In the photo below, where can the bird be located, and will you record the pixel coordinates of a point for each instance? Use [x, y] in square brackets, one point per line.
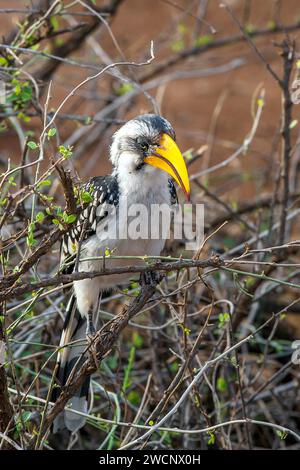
[146, 162]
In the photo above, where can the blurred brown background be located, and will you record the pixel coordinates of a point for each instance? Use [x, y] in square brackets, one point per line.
[213, 110]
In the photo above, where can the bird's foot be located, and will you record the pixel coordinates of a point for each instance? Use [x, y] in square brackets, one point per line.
[90, 329]
[92, 350]
[150, 278]
[90, 337]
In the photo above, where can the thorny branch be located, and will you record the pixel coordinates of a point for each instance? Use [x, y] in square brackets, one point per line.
[171, 355]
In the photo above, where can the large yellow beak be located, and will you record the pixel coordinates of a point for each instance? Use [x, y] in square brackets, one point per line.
[168, 157]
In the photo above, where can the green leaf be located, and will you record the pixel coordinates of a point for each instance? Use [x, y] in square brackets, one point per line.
[250, 29]
[182, 28]
[26, 416]
[281, 434]
[32, 145]
[124, 88]
[18, 89]
[271, 25]
[30, 240]
[223, 318]
[29, 314]
[71, 218]
[66, 152]
[212, 438]
[45, 183]
[221, 384]
[134, 398]
[51, 132]
[11, 181]
[204, 40]
[234, 205]
[86, 197]
[188, 155]
[59, 211]
[3, 61]
[137, 340]
[23, 117]
[177, 45]
[40, 217]
[54, 23]
[3, 201]
[26, 93]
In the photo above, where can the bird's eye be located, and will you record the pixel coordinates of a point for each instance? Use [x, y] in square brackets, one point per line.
[144, 147]
[143, 144]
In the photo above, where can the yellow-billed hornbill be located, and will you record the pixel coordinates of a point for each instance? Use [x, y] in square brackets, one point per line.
[140, 150]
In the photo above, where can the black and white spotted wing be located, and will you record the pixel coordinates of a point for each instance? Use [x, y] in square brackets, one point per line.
[104, 190]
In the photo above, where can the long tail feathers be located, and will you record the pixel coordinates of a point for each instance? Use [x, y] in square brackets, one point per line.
[69, 357]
